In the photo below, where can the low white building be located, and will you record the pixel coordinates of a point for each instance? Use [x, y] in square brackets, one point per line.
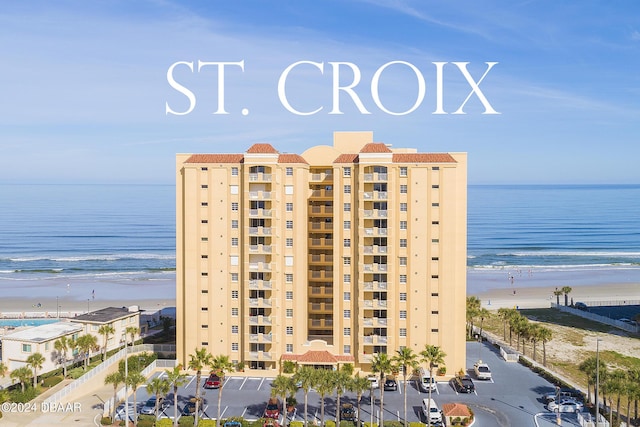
[120, 318]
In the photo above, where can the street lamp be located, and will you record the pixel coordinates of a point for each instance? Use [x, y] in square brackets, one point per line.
[558, 418]
[126, 374]
[597, 379]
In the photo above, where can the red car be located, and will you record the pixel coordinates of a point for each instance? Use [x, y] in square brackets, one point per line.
[213, 381]
[273, 409]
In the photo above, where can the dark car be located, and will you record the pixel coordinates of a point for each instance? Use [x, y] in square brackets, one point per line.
[149, 406]
[390, 384]
[581, 306]
[189, 408]
[463, 384]
[348, 413]
[563, 393]
[213, 381]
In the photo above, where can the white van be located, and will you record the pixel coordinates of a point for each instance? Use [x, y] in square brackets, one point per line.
[426, 382]
[431, 411]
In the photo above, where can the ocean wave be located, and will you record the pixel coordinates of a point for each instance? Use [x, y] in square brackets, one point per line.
[560, 253]
[84, 258]
[552, 267]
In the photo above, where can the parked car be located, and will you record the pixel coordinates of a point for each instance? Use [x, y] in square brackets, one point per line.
[232, 424]
[390, 384]
[213, 381]
[565, 405]
[273, 409]
[564, 393]
[189, 408]
[348, 413]
[463, 384]
[374, 382]
[431, 412]
[149, 407]
[426, 381]
[482, 370]
[581, 306]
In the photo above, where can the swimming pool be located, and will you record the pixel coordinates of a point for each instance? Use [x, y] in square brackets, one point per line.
[25, 322]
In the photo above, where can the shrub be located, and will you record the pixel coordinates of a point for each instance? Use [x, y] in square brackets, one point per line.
[347, 368]
[106, 421]
[146, 423]
[288, 367]
[164, 422]
[75, 373]
[416, 424]
[393, 423]
[329, 423]
[368, 424]
[206, 423]
[18, 396]
[296, 424]
[347, 423]
[257, 423]
[186, 421]
[51, 381]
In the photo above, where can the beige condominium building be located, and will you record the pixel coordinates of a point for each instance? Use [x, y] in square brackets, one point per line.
[322, 258]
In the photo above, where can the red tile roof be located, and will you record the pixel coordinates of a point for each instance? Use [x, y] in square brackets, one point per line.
[346, 158]
[423, 158]
[375, 147]
[455, 410]
[291, 158]
[262, 148]
[321, 357]
[215, 158]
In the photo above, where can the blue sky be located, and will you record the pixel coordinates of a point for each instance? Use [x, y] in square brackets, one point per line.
[83, 85]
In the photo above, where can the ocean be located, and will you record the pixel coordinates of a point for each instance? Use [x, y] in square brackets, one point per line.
[67, 234]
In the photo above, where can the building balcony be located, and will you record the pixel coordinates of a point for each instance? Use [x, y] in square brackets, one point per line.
[264, 213]
[260, 177]
[375, 249]
[321, 307]
[260, 231]
[375, 286]
[259, 355]
[321, 258]
[260, 249]
[321, 243]
[259, 195]
[320, 323]
[375, 177]
[260, 302]
[375, 195]
[374, 268]
[375, 213]
[375, 303]
[375, 231]
[374, 321]
[320, 210]
[320, 274]
[259, 284]
[322, 194]
[260, 266]
[259, 320]
[321, 226]
[320, 291]
[260, 338]
[374, 339]
[319, 177]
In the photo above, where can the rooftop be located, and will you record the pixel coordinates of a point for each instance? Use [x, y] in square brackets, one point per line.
[105, 315]
[42, 333]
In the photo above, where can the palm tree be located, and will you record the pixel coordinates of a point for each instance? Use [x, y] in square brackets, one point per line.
[617, 380]
[534, 337]
[22, 374]
[518, 325]
[324, 386]
[505, 314]
[221, 365]
[105, 331]
[281, 386]
[197, 362]
[382, 364]
[62, 345]
[340, 381]
[406, 359]
[132, 331]
[86, 343]
[433, 356]
[544, 334]
[359, 385]
[306, 377]
[134, 380]
[483, 313]
[36, 360]
[177, 378]
[588, 366]
[557, 293]
[115, 378]
[3, 369]
[473, 306]
[566, 290]
[159, 387]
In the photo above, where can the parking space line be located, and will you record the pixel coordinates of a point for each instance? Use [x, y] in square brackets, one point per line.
[242, 385]
[222, 413]
[189, 383]
[261, 383]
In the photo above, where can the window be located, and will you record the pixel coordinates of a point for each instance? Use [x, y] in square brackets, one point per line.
[346, 349]
[346, 332]
[346, 225]
[234, 206]
[204, 186]
[435, 258]
[289, 242]
[289, 330]
[204, 221]
[434, 330]
[403, 243]
[347, 189]
[204, 308]
[288, 189]
[346, 278]
[289, 171]
[347, 207]
[234, 346]
[403, 207]
[204, 256]
[403, 296]
[234, 277]
[434, 276]
[435, 204]
[289, 348]
[403, 260]
[234, 259]
[434, 294]
[346, 296]
[233, 189]
[289, 207]
[234, 294]
[434, 312]
[346, 172]
[234, 171]
[234, 311]
[403, 225]
[204, 273]
[403, 332]
[403, 171]
[346, 314]
[204, 169]
[204, 239]
[289, 295]
[234, 241]
[205, 343]
[346, 260]
[26, 348]
[347, 243]
[288, 261]
[403, 314]
[234, 223]
[234, 329]
[289, 224]
[403, 188]
[435, 186]
[204, 326]
[436, 168]
[435, 240]
[289, 312]
[403, 278]
[204, 291]
[288, 278]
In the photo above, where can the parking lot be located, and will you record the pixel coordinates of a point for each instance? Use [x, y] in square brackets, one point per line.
[511, 397]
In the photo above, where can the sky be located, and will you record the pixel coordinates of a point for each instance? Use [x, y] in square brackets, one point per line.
[85, 86]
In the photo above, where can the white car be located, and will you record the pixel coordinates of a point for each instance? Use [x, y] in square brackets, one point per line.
[374, 382]
[482, 370]
[565, 405]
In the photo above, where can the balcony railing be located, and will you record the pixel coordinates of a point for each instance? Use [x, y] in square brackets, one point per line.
[257, 284]
[259, 195]
[373, 286]
[257, 302]
[375, 249]
[321, 176]
[324, 306]
[260, 231]
[259, 177]
[321, 242]
[375, 231]
[321, 258]
[321, 209]
[259, 320]
[260, 266]
[371, 177]
[322, 193]
[320, 323]
[260, 249]
[260, 212]
[375, 267]
[323, 226]
[375, 213]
